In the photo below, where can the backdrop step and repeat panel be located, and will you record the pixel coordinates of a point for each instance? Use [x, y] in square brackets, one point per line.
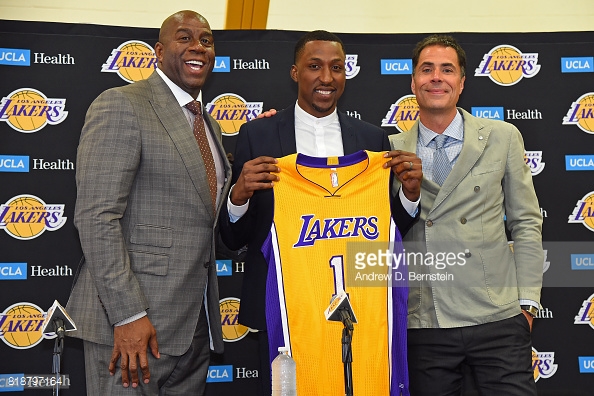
[50, 73]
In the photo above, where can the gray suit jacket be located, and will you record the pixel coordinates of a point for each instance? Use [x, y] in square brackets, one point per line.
[145, 219]
[466, 217]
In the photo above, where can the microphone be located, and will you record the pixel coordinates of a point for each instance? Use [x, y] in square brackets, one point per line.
[340, 309]
[57, 321]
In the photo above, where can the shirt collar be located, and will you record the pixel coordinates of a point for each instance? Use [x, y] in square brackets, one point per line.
[312, 121]
[182, 97]
[454, 130]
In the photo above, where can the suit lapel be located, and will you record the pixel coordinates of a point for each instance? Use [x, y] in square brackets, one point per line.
[349, 138]
[286, 131]
[476, 136]
[176, 125]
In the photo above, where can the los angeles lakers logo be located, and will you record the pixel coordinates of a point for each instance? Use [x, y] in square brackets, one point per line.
[28, 110]
[581, 113]
[351, 67]
[543, 364]
[27, 217]
[506, 65]
[534, 160]
[232, 111]
[133, 61]
[232, 330]
[586, 313]
[21, 326]
[584, 211]
[402, 114]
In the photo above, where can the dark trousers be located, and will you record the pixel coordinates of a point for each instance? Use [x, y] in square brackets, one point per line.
[499, 355]
[170, 375]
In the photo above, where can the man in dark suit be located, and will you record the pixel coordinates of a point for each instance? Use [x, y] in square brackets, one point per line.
[146, 209]
[313, 126]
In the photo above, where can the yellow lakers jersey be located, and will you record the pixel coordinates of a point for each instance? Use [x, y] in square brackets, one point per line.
[325, 211]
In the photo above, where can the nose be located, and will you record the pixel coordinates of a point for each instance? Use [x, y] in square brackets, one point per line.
[196, 45]
[326, 75]
[436, 75]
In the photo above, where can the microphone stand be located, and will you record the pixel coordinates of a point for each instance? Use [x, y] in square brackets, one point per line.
[58, 348]
[347, 352]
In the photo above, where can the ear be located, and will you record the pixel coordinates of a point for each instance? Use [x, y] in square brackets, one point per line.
[412, 85]
[294, 73]
[159, 51]
[462, 84]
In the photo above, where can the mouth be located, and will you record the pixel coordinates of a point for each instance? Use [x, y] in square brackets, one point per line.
[195, 64]
[324, 91]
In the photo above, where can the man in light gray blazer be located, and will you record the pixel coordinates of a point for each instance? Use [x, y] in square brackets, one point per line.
[146, 218]
[474, 304]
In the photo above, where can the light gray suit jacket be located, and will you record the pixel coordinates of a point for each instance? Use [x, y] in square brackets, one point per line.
[145, 219]
[465, 217]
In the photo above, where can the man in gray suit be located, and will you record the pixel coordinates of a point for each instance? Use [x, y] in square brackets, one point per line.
[145, 212]
[475, 308]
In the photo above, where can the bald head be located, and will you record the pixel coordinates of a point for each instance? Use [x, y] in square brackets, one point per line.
[174, 20]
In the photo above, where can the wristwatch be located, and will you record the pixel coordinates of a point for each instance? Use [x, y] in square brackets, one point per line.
[532, 310]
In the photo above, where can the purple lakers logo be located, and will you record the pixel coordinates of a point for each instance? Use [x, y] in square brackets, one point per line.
[314, 229]
[506, 65]
[132, 61]
[543, 364]
[28, 110]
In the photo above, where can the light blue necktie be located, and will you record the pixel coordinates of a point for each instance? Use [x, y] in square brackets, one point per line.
[441, 163]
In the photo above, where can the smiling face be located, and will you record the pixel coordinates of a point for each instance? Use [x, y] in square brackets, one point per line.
[320, 76]
[437, 81]
[186, 51]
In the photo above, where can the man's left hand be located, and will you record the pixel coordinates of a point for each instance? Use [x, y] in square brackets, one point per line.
[408, 169]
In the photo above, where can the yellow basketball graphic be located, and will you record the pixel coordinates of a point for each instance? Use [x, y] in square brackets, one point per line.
[503, 55]
[588, 212]
[135, 61]
[232, 330]
[227, 110]
[535, 368]
[587, 108]
[22, 325]
[408, 111]
[21, 104]
[22, 207]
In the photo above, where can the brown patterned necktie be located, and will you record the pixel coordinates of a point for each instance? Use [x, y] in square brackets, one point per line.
[200, 135]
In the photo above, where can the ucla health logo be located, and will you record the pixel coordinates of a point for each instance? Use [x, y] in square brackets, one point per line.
[577, 65]
[584, 211]
[26, 217]
[534, 160]
[232, 111]
[579, 162]
[133, 61]
[586, 313]
[232, 330]
[14, 163]
[21, 326]
[220, 374]
[402, 114]
[351, 67]
[222, 64]
[224, 268]
[581, 113]
[28, 110]
[13, 271]
[506, 65]
[491, 113]
[396, 66]
[15, 57]
[543, 364]
[586, 364]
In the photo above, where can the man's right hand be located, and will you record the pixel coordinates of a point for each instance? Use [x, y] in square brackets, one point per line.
[257, 174]
[130, 342]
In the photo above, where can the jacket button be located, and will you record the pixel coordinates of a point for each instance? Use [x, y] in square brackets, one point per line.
[429, 223]
[477, 188]
[463, 220]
